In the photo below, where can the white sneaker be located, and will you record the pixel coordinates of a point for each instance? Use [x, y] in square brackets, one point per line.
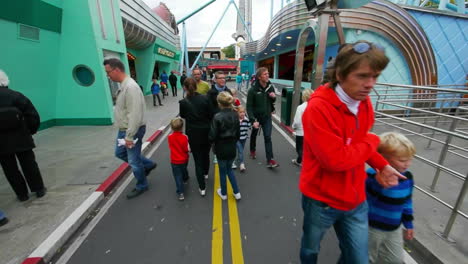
[223, 197]
[215, 160]
[234, 166]
[202, 192]
[237, 196]
[242, 167]
[206, 177]
[294, 161]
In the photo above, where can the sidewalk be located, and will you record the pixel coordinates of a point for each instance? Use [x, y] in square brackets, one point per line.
[73, 162]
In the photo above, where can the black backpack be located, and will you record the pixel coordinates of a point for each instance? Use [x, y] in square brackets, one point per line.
[11, 118]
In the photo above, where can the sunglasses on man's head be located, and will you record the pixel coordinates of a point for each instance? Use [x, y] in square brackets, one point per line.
[363, 47]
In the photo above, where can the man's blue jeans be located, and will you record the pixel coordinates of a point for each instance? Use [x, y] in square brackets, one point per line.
[351, 228]
[265, 122]
[134, 158]
[180, 175]
[240, 150]
[225, 168]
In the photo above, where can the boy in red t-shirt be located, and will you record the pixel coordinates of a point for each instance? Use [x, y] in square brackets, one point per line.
[179, 147]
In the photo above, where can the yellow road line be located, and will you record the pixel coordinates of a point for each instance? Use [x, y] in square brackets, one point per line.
[217, 229]
[234, 226]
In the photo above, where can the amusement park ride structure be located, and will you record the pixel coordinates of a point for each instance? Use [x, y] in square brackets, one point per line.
[184, 48]
[321, 10]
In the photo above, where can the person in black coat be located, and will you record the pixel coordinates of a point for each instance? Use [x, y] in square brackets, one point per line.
[224, 133]
[182, 80]
[20, 121]
[173, 82]
[196, 111]
[218, 86]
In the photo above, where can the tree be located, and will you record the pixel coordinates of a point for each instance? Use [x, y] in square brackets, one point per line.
[229, 51]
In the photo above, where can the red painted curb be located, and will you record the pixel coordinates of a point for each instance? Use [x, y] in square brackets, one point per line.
[106, 187]
[154, 136]
[33, 261]
[288, 128]
[109, 184]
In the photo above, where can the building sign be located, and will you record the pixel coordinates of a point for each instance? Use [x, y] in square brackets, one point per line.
[164, 52]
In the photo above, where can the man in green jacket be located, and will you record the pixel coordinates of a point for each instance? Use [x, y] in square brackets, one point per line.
[260, 106]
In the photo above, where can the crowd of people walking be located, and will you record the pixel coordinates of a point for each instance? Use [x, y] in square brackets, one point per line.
[333, 143]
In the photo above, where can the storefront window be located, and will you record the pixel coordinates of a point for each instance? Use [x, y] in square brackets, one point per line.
[267, 63]
[287, 63]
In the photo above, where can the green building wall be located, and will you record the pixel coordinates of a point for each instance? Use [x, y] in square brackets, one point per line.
[144, 65]
[81, 44]
[146, 60]
[31, 65]
[165, 63]
[70, 35]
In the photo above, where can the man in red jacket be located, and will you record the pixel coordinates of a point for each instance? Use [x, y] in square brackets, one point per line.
[337, 144]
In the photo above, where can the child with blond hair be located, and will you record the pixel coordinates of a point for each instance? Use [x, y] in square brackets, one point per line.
[389, 208]
[244, 126]
[179, 147]
[297, 125]
[224, 133]
[237, 102]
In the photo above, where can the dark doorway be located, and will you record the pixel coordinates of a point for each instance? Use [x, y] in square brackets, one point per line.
[131, 65]
[156, 70]
[287, 63]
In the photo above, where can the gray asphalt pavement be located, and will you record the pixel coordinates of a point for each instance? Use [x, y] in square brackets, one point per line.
[157, 228]
[73, 161]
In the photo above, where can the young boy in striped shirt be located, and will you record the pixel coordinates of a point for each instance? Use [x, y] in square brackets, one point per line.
[390, 207]
[244, 126]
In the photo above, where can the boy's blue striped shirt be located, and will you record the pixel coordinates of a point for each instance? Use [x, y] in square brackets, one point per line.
[390, 207]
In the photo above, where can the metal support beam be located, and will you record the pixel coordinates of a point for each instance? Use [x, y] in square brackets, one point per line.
[443, 154]
[311, 25]
[189, 72]
[457, 206]
[182, 50]
[271, 11]
[212, 33]
[320, 47]
[194, 12]
[337, 21]
[320, 29]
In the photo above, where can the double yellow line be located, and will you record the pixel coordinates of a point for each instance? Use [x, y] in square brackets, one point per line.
[217, 230]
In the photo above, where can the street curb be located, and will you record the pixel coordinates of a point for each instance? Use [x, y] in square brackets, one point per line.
[46, 250]
[286, 128]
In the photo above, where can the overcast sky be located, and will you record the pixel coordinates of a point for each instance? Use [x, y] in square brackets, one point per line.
[201, 25]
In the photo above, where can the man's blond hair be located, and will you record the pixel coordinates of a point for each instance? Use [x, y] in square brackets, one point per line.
[395, 144]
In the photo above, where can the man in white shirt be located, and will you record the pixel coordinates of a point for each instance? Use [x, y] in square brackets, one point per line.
[129, 112]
